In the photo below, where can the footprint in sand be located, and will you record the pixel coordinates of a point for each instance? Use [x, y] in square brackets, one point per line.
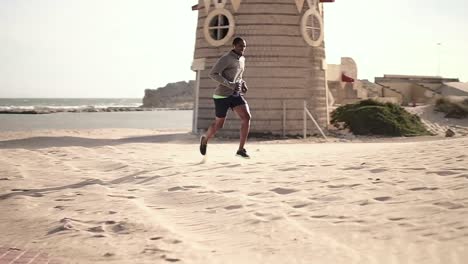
[354, 168]
[288, 169]
[364, 202]
[169, 259]
[172, 241]
[396, 218]
[20, 190]
[330, 198]
[416, 168]
[265, 217]
[444, 173]
[228, 191]
[283, 191]
[121, 228]
[233, 207]
[152, 250]
[302, 205]
[319, 216]
[423, 189]
[382, 198]
[177, 188]
[122, 196]
[463, 176]
[191, 186]
[251, 172]
[96, 229]
[378, 170]
[449, 205]
[342, 186]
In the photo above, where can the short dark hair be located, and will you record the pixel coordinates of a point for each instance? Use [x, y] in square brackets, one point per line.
[237, 41]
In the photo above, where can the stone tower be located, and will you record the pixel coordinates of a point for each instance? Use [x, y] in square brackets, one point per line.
[285, 62]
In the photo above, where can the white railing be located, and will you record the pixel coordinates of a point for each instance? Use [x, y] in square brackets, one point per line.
[307, 113]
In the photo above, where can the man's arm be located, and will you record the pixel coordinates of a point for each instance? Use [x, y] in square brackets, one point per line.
[243, 85]
[216, 75]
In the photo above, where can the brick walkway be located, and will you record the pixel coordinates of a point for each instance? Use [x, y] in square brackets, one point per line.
[11, 255]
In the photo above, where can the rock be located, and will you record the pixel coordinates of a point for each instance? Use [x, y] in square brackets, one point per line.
[449, 133]
[173, 95]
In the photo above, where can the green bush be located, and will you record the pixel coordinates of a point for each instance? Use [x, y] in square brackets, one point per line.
[452, 107]
[370, 117]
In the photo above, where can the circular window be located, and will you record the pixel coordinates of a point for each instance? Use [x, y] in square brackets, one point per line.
[312, 28]
[219, 27]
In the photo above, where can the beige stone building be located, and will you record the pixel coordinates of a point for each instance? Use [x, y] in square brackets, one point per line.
[413, 89]
[285, 62]
[343, 85]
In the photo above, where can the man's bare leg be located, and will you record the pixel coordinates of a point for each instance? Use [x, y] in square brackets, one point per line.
[244, 114]
[213, 128]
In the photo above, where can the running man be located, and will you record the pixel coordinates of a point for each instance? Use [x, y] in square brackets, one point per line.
[229, 93]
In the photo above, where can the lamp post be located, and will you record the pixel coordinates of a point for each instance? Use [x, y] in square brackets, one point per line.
[438, 58]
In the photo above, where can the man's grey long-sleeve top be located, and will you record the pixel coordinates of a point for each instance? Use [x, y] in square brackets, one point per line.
[227, 71]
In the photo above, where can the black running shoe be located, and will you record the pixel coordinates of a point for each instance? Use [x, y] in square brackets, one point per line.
[243, 153]
[202, 145]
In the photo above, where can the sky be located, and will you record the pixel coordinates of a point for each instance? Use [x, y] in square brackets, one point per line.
[119, 48]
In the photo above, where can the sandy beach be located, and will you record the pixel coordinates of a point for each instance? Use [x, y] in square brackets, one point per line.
[148, 196]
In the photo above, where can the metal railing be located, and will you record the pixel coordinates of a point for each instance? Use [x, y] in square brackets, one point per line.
[309, 114]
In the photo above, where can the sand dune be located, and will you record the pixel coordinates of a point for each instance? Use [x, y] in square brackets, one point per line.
[138, 196]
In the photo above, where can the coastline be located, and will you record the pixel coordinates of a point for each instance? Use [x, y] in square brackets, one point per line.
[48, 110]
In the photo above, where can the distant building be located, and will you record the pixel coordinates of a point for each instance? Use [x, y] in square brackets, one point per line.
[413, 89]
[343, 83]
[285, 61]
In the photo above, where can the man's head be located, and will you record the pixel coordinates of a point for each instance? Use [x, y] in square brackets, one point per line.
[239, 45]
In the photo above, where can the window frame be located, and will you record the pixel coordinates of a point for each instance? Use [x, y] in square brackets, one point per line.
[230, 27]
[310, 14]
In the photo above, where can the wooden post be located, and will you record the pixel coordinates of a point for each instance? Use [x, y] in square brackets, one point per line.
[305, 119]
[195, 104]
[197, 66]
[284, 118]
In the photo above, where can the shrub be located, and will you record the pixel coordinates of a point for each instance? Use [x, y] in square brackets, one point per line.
[370, 117]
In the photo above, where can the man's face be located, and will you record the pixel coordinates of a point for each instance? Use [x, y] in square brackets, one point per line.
[239, 48]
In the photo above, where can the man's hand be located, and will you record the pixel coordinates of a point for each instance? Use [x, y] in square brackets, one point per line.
[244, 87]
[238, 87]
